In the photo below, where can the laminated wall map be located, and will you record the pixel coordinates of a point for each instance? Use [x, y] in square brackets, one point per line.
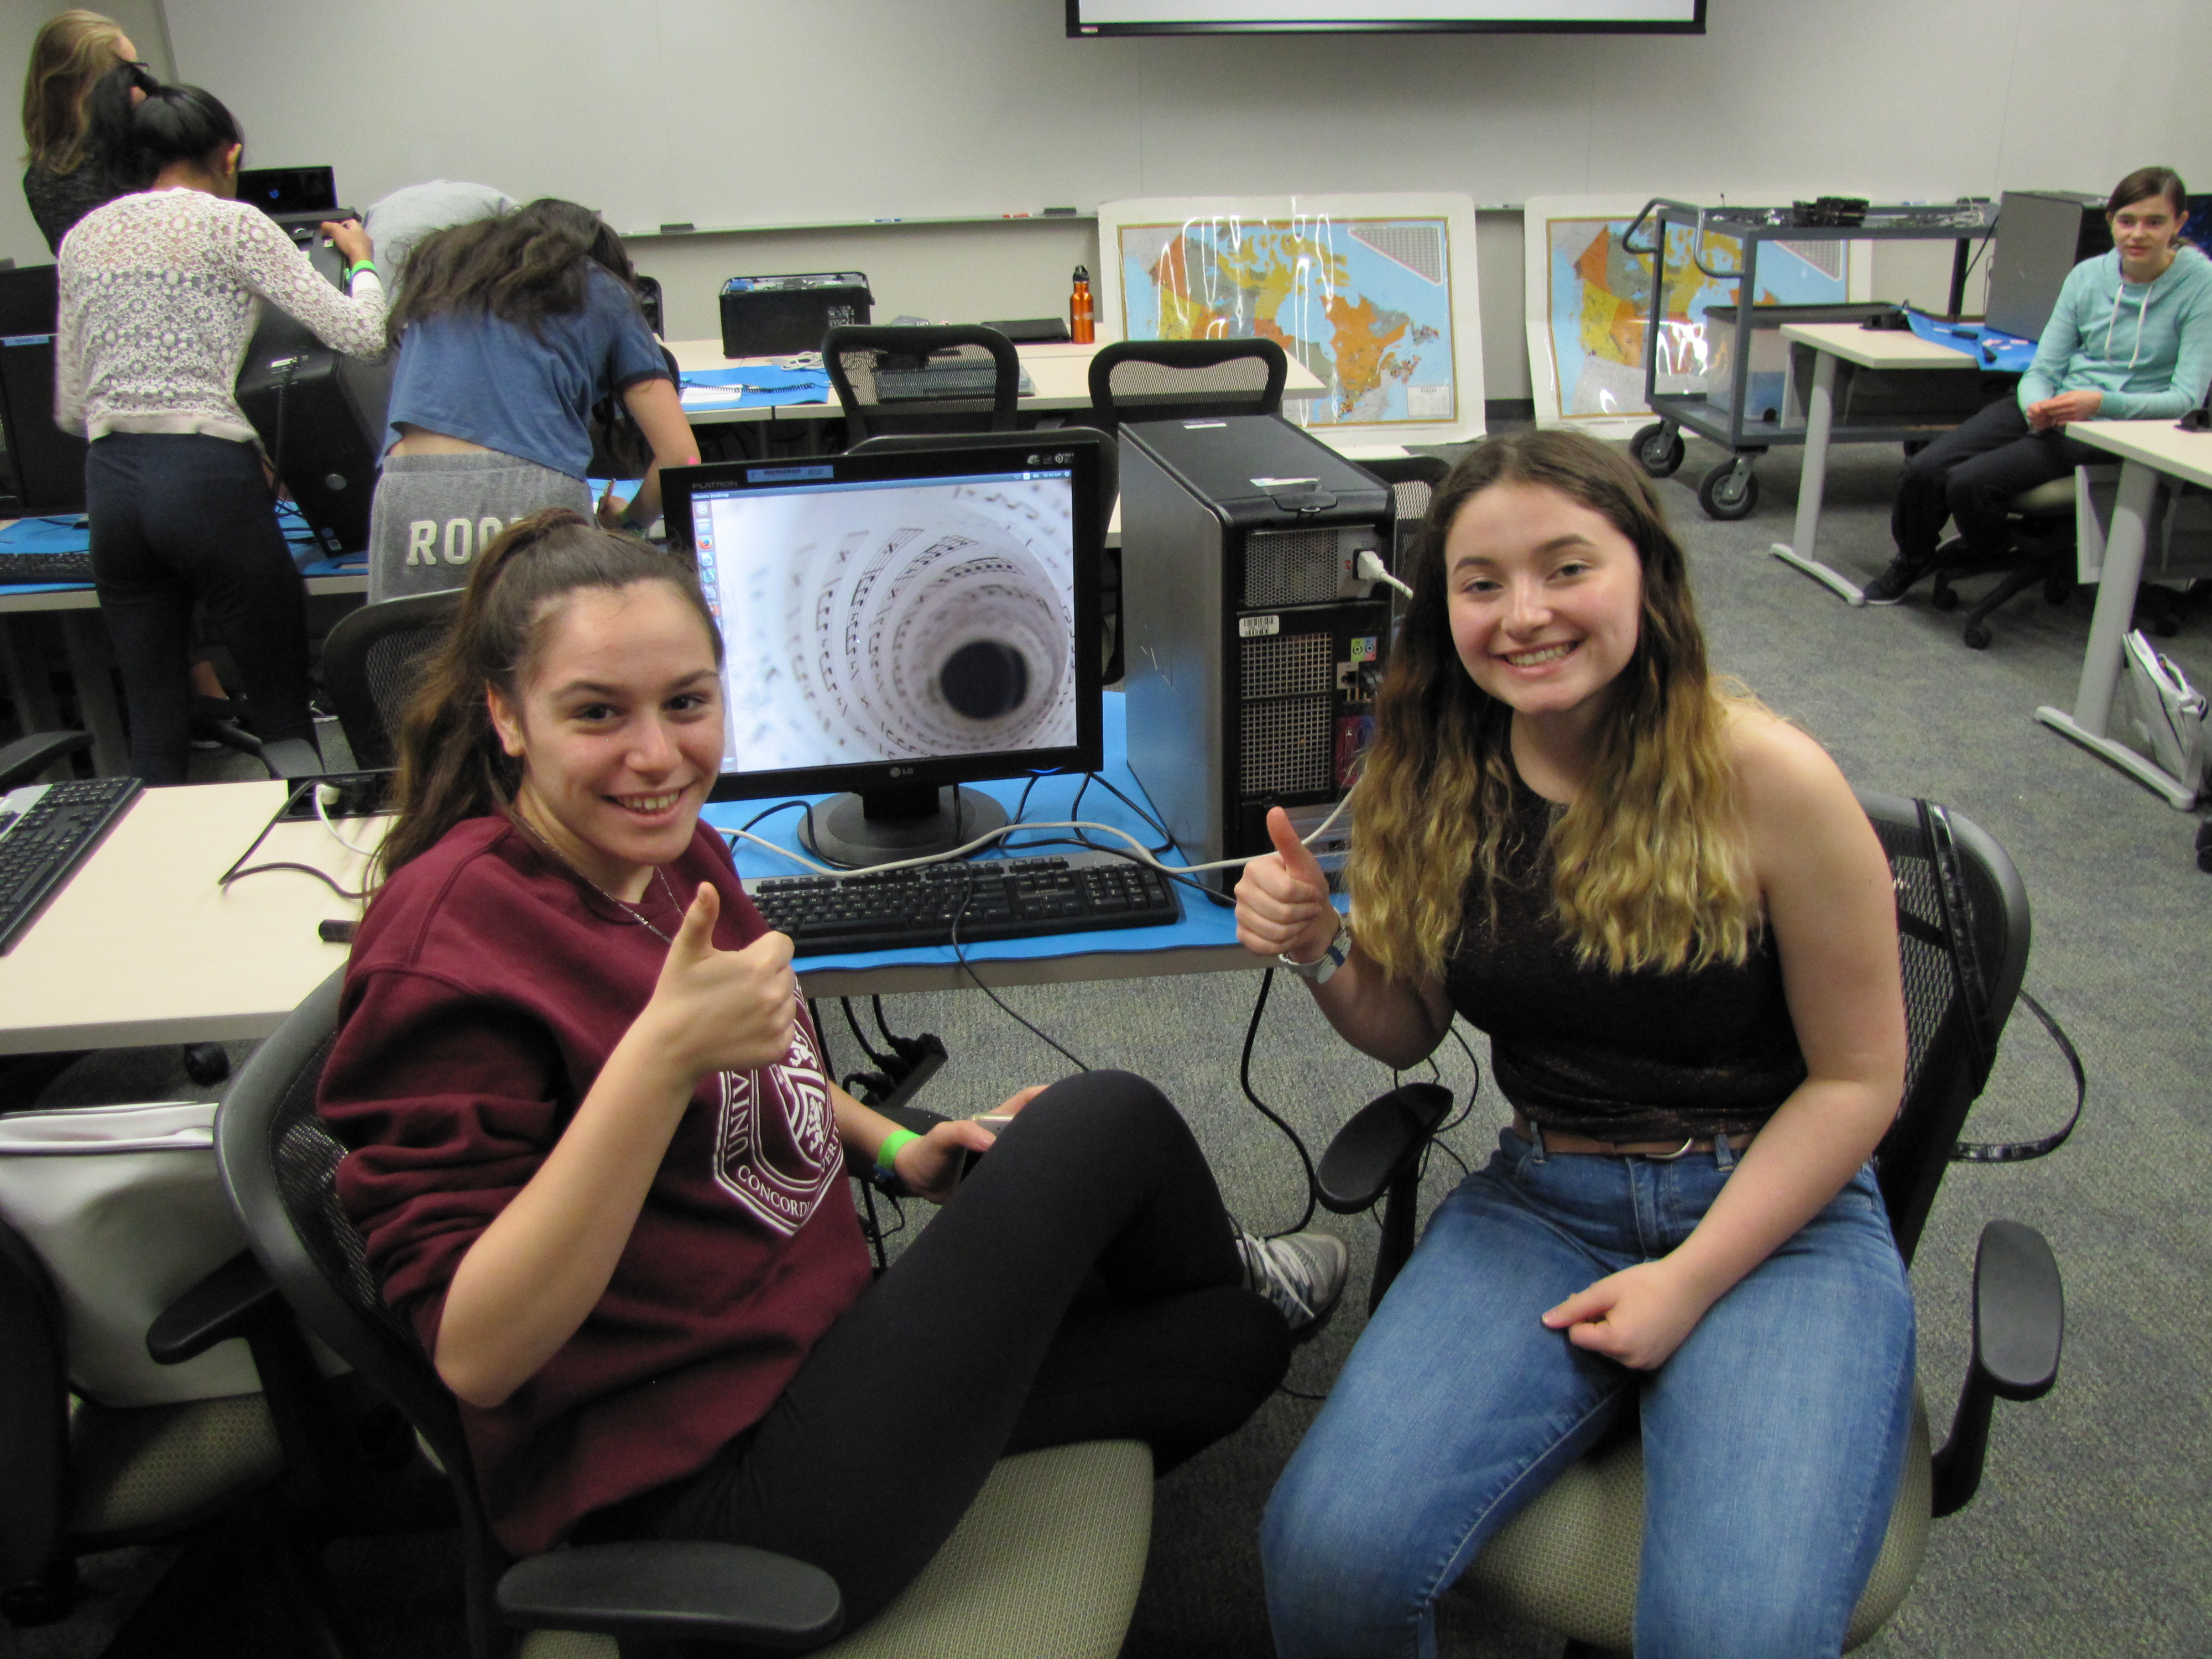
[1375, 295]
[1589, 305]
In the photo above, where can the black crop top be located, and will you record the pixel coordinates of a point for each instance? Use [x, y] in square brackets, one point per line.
[1638, 1056]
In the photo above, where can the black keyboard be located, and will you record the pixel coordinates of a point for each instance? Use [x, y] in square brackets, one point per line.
[992, 898]
[20, 569]
[45, 830]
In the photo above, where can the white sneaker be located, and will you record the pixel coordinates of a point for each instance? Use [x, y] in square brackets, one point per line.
[1302, 1274]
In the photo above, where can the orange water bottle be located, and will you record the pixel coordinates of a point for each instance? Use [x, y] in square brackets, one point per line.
[1080, 326]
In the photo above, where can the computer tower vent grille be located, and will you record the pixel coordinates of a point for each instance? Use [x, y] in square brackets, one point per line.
[1288, 567]
[1286, 665]
[1286, 747]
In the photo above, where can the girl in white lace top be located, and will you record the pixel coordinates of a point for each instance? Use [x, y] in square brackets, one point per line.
[158, 294]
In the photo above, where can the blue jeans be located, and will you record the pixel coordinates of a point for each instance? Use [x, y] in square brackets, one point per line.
[1773, 1439]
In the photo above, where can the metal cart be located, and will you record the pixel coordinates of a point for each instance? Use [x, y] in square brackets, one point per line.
[1754, 407]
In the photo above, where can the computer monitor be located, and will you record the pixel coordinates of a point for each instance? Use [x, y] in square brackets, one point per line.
[40, 464]
[2041, 236]
[899, 622]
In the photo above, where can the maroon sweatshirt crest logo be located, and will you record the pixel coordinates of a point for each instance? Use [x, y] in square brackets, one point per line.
[776, 1150]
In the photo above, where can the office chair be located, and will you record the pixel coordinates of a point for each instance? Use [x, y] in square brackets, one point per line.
[891, 379]
[1164, 379]
[1568, 1562]
[2046, 518]
[1109, 488]
[1046, 1564]
[372, 663]
[247, 1482]
[28, 758]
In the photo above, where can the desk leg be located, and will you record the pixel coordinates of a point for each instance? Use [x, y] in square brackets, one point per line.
[84, 637]
[1812, 480]
[2108, 631]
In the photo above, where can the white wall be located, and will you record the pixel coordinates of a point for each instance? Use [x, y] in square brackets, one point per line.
[772, 112]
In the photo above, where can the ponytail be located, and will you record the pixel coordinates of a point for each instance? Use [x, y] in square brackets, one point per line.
[135, 139]
[451, 765]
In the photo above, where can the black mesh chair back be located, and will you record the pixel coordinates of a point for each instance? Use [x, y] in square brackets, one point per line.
[1963, 943]
[372, 663]
[1413, 481]
[1166, 379]
[279, 1166]
[892, 380]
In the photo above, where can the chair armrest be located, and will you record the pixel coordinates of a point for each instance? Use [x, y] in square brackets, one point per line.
[711, 1592]
[26, 757]
[224, 1305]
[1379, 1142]
[2020, 1327]
[2019, 1311]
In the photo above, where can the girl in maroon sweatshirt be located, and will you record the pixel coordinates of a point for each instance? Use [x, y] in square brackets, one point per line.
[597, 1161]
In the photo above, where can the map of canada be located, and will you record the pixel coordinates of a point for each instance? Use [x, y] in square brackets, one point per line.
[1364, 303]
[1601, 306]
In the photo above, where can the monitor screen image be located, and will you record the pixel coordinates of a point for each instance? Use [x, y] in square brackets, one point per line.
[895, 622]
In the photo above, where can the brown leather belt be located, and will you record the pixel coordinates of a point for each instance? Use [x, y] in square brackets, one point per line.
[1660, 1151]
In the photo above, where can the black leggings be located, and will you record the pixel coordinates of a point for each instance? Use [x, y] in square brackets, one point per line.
[1083, 1285]
[178, 517]
[1971, 474]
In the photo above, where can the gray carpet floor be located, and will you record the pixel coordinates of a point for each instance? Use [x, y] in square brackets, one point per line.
[2093, 1523]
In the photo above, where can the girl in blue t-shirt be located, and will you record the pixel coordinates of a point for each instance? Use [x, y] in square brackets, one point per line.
[509, 330]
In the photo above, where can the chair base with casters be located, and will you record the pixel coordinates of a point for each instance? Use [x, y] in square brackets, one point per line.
[2043, 520]
[1056, 1543]
[1568, 1563]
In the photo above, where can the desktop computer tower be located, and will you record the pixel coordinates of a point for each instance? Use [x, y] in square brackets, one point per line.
[41, 466]
[2041, 234]
[320, 414]
[1254, 649]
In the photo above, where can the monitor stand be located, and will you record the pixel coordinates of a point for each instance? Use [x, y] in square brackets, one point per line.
[881, 826]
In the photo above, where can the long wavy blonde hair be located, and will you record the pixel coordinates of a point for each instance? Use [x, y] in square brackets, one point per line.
[1651, 865]
[72, 53]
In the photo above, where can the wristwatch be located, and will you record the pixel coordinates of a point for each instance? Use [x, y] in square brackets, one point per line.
[1317, 971]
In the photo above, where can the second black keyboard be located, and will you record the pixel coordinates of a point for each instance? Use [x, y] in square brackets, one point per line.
[992, 898]
[24, 569]
[45, 830]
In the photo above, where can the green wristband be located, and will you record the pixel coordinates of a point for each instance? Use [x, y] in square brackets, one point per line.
[887, 1154]
[355, 270]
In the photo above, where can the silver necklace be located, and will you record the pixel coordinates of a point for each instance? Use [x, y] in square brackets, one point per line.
[516, 818]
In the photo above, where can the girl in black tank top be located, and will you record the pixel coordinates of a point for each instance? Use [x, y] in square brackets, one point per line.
[1665, 908]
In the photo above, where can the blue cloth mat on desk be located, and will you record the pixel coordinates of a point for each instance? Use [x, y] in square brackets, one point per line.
[1994, 350]
[761, 385]
[67, 532]
[1051, 799]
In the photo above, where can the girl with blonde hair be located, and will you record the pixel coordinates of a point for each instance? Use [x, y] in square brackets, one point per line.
[61, 181]
[1666, 909]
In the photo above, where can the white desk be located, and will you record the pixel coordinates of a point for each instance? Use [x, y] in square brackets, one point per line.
[1863, 348]
[1061, 372]
[2148, 450]
[142, 946]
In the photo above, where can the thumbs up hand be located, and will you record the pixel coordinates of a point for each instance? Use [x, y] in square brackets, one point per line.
[723, 1011]
[1282, 902]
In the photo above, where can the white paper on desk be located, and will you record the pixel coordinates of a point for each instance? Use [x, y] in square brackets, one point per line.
[708, 397]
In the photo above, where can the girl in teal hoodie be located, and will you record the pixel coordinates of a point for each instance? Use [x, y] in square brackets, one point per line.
[2130, 338]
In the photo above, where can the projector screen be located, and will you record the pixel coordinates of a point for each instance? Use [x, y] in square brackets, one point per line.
[1088, 17]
